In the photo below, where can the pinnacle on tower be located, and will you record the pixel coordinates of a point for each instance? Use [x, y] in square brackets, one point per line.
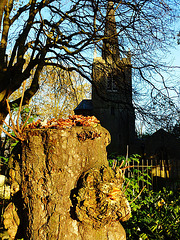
[110, 52]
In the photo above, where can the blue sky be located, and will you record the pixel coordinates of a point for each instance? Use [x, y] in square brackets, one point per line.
[174, 58]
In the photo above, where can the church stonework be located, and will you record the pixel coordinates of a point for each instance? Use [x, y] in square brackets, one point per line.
[112, 90]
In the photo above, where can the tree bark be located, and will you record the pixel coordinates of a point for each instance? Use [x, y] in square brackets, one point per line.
[54, 165]
[2, 6]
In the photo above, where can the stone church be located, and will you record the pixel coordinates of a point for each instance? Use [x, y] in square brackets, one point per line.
[111, 99]
[112, 104]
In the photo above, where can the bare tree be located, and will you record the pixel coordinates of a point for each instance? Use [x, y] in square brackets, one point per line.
[2, 7]
[64, 34]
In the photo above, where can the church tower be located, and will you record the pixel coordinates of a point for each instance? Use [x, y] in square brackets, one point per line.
[112, 90]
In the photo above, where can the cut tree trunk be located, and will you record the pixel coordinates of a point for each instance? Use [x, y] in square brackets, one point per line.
[57, 166]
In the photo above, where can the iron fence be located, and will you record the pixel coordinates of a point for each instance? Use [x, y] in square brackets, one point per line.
[162, 173]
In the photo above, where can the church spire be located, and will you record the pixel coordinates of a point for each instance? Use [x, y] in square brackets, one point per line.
[110, 51]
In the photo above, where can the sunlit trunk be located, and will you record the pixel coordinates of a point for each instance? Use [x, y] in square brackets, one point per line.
[53, 162]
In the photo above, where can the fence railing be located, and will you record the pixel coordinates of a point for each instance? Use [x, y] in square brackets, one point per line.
[163, 173]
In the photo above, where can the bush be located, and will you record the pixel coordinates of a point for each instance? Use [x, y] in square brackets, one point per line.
[155, 215]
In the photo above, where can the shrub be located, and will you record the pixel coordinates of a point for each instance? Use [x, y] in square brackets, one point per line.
[155, 215]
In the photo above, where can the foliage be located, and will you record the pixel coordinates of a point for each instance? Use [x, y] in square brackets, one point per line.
[134, 177]
[155, 215]
[3, 160]
[8, 142]
[25, 111]
[59, 93]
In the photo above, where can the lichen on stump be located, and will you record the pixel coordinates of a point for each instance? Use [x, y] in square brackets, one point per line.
[57, 168]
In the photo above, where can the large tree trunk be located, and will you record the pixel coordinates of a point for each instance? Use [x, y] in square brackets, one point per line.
[63, 174]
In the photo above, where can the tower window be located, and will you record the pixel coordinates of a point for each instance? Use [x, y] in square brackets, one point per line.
[112, 83]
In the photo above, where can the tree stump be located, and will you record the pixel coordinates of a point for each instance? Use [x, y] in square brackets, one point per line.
[57, 167]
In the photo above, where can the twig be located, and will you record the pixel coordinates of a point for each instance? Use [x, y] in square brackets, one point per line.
[24, 124]
[114, 164]
[126, 167]
[20, 106]
[8, 125]
[9, 111]
[16, 133]
[7, 133]
[121, 163]
[127, 153]
[126, 187]
[137, 195]
[16, 128]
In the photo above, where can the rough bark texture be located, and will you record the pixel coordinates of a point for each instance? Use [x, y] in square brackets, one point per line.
[11, 220]
[53, 162]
